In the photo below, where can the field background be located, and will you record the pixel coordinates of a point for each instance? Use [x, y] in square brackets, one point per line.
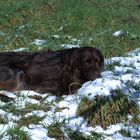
[77, 22]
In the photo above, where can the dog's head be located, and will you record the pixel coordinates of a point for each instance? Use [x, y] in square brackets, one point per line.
[90, 63]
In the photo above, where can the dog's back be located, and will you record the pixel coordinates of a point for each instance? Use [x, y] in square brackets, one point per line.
[50, 71]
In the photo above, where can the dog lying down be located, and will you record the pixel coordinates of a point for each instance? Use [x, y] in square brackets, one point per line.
[57, 72]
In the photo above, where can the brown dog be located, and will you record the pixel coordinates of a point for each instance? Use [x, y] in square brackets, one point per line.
[50, 71]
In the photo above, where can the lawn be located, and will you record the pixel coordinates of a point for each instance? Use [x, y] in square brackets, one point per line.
[76, 22]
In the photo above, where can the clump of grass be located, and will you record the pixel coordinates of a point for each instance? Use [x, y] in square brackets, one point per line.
[5, 98]
[1, 135]
[54, 131]
[3, 120]
[34, 119]
[9, 107]
[135, 120]
[36, 97]
[31, 107]
[17, 134]
[106, 110]
[59, 129]
[125, 133]
[28, 108]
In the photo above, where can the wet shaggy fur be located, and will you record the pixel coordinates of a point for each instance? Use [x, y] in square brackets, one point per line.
[57, 72]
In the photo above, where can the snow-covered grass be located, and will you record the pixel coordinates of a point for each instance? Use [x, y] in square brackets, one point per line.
[43, 116]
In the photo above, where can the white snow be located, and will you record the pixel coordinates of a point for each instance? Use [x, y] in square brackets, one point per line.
[31, 93]
[56, 36]
[7, 93]
[69, 46]
[118, 33]
[75, 40]
[38, 113]
[11, 117]
[37, 133]
[39, 42]
[21, 102]
[20, 49]
[50, 98]
[2, 112]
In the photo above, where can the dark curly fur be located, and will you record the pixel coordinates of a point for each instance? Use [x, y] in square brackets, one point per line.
[50, 71]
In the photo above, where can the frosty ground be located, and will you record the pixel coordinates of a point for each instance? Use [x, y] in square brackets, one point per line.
[120, 73]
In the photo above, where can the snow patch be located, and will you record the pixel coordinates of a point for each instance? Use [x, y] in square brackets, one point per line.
[69, 46]
[118, 33]
[39, 42]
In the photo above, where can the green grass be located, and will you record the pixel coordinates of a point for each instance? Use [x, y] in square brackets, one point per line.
[34, 119]
[55, 127]
[60, 130]
[17, 134]
[92, 23]
[109, 110]
[3, 120]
